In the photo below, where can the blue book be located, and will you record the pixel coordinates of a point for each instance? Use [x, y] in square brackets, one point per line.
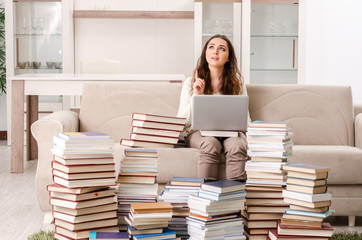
[140, 152]
[186, 181]
[223, 186]
[109, 235]
[222, 196]
[166, 234]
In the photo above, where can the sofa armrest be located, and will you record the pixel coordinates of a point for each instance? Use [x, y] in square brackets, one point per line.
[43, 131]
[357, 108]
[358, 131]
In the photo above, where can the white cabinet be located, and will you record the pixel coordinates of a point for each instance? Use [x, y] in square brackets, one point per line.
[265, 35]
[274, 42]
[217, 17]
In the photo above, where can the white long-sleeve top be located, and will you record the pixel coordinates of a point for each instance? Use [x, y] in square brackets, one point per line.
[186, 98]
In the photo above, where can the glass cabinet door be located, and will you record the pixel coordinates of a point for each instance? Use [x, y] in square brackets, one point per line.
[274, 43]
[217, 17]
[37, 37]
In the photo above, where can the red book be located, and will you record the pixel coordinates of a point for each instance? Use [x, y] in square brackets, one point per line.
[83, 168]
[154, 138]
[158, 125]
[155, 132]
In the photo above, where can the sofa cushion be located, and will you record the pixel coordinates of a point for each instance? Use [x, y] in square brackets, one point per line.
[320, 115]
[108, 107]
[345, 162]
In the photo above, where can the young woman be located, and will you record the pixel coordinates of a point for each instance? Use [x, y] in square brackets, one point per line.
[216, 73]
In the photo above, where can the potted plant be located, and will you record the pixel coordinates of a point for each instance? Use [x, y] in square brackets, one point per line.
[2, 52]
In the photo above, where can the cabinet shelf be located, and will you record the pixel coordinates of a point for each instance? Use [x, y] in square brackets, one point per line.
[274, 36]
[38, 35]
[212, 34]
[275, 70]
[132, 14]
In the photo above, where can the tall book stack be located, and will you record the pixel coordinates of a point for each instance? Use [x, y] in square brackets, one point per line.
[136, 181]
[81, 198]
[150, 221]
[270, 143]
[177, 193]
[215, 211]
[309, 204]
[154, 131]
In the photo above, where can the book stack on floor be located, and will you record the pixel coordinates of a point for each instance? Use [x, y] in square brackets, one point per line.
[177, 192]
[154, 131]
[81, 198]
[270, 143]
[150, 220]
[137, 181]
[309, 204]
[215, 211]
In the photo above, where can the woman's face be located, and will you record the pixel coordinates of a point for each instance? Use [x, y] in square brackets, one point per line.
[217, 52]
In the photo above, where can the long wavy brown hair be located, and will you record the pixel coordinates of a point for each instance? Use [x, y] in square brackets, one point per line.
[231, 77]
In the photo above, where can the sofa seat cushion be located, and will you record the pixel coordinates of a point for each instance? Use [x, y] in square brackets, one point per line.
[345, 161]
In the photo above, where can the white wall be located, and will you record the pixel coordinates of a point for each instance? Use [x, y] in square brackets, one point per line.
[334, 44]
[142, 45]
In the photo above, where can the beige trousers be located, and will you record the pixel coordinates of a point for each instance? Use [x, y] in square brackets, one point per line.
[235, 150]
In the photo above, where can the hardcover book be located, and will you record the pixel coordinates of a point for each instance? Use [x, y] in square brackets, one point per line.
[59, 188]
[84, 182]
[307, 197]
[155, 132]
[83, 168]
[109, 235]
[144, 144]
[223, 186]
[186, 181]
[306, 168]
[325, 231]
[85, 211]
[83, 234]
[277, 124]
[87, 225]
[81, 204]
[84, 196]
[133, 152]
[83, 135]
[151, 207]
[158, 125]
[158, 118]
[166, 234]
[153, 138]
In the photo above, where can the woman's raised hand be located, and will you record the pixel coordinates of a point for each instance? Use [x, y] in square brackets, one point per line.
[199, 85]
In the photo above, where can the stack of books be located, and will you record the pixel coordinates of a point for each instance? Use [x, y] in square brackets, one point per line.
[154, 131]
[150, 221]
[215, 211]
[137, 180]
[81, 198]
[309, 204]
[270, 143]
[177, 192]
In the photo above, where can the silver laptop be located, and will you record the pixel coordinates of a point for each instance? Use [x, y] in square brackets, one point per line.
[220, 112]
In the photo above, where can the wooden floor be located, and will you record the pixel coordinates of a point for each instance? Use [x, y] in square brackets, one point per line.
[21, 216]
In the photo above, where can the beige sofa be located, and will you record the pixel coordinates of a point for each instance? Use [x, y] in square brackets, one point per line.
[327, 130]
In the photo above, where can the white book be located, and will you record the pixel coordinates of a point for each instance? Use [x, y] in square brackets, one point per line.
[307, 197]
